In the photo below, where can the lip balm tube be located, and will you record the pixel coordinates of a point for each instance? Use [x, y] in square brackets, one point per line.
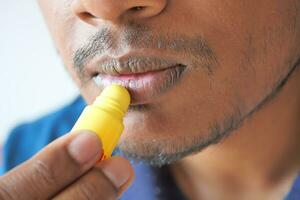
[105, 117]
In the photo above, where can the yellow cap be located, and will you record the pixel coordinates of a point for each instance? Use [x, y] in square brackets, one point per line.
[114, 95]
[105, 117]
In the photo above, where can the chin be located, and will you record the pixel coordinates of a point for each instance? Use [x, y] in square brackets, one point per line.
[161, 148]
[159, 134]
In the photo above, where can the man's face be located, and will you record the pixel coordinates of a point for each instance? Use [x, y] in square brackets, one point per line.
[195, 69]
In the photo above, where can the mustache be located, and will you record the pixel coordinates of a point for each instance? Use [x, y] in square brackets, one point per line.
[104, 41]
[134, 65]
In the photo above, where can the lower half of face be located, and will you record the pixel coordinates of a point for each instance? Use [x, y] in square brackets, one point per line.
[251, 47]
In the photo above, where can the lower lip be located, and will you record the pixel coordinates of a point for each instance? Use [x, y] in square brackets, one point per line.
[144, 86]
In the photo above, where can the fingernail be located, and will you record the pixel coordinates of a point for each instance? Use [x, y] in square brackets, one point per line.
[85, 147]
[116, 171]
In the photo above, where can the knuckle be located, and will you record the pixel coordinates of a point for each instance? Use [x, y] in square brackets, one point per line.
[5, 194]
[87, 191]
[43, 174]
[96, 186]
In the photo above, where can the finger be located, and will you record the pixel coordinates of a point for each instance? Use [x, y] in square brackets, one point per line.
[105, 181]
[53, 168]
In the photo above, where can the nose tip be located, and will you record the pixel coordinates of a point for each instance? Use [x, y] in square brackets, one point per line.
[115, 11]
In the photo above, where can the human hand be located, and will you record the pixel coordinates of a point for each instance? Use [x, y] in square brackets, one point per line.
[68, 169]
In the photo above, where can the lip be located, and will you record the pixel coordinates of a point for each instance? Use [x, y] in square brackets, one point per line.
[144, 77]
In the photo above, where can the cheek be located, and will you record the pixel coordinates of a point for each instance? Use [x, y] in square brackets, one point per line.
[255, 42]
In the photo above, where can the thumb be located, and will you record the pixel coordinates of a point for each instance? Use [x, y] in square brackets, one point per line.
[53, 168]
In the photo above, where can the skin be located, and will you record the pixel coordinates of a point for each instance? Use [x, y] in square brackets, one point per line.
[254, 45]
[256, 49]
[247, 89]
[44, 175]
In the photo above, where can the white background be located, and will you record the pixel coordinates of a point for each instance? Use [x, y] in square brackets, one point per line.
[33, 80]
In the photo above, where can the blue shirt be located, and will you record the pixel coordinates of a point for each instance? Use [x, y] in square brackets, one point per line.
[151, 183]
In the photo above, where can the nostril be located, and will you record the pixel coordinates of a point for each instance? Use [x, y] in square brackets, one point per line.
[137, 8]
[85, 15]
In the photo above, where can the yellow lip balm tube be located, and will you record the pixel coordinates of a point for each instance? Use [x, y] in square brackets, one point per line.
[105, 117]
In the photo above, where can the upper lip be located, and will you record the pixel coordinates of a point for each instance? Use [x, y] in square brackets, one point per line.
[131, 65]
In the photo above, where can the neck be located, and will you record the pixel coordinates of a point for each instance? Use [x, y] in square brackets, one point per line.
[262, 156]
